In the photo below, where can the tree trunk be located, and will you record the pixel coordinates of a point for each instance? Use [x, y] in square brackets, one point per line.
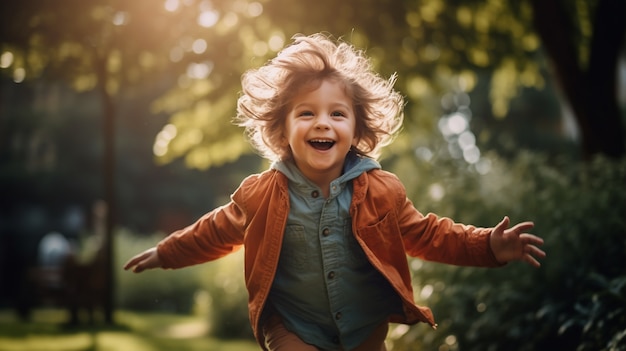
[591, 91]
[109, 187]
[603, 110]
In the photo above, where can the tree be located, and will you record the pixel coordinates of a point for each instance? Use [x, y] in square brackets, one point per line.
[585, 56]
[435, 47]
[93, 46]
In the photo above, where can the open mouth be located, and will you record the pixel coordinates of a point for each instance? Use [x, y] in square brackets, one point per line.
[321, 144]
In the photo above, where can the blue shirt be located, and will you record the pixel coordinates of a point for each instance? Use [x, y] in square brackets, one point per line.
[325, 289]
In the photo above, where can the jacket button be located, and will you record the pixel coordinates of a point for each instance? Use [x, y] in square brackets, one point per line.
[325, 232]
[315, 194]
[331, 275]
[338, 315]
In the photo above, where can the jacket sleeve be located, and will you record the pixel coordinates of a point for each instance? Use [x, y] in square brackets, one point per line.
[214, 235]
[440, 239]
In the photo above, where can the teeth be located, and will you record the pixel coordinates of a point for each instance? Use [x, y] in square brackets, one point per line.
[322, 144]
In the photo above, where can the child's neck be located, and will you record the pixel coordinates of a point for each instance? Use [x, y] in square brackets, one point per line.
[323, 180]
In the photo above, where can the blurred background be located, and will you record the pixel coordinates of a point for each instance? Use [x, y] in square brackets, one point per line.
[115, 131]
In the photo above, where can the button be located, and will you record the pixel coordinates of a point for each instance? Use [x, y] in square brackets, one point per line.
[336, 339]
[326, 232]
[331, 275]
[315, 194]
[338, 315]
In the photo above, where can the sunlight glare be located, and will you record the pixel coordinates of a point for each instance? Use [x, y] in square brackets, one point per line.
[176, 54]
[471, 154]
[451, 340]
[424, 153]
[19, 75]
[230, 20]
[6, 59]
[163, 139]
[481, 307]
[160, 147]
[483, 166]
[120, 18]
[199, 70]
[467, 140]
[426, 291]
[199, 46]
[208, 18]
[171, 5]
[276, 42]
[255, 9]
[169, 131]
[259, 48]
[457, 123]
[436, 191]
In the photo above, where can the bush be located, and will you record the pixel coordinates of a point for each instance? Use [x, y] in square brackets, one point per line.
[215, 290]
[153, 290]
[575, 301]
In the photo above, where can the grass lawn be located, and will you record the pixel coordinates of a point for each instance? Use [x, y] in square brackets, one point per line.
[134, 332]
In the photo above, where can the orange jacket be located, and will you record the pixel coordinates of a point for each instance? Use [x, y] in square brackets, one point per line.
[384, 221]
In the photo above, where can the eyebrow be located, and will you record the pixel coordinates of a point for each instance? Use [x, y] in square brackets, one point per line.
[332, 104]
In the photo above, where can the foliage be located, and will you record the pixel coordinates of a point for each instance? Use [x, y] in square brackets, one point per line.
[575, 301]
[154, 290]
[199, 49]
[135, 331]
[214, 291]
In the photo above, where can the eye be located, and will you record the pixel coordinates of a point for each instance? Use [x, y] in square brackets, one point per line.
[305, 113]
[338, 114]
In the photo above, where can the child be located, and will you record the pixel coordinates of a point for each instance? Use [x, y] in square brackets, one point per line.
[326, 231]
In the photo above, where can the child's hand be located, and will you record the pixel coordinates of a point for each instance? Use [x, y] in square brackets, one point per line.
[513, 244]
[145, 260]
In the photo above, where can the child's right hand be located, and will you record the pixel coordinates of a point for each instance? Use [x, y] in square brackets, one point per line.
[146, 260]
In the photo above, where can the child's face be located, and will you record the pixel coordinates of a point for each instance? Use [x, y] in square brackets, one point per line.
[320, 129]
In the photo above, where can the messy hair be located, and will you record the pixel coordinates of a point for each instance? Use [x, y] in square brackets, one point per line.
[267, 93]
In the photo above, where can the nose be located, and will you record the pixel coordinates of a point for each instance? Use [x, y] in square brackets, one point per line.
[322, 122]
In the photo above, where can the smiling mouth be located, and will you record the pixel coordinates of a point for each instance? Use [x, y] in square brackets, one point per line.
[320, 144]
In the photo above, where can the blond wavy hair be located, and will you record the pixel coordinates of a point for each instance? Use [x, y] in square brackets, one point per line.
[267, 93]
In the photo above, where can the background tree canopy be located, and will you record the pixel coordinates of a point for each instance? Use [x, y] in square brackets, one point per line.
[131, 102]
[197, 50]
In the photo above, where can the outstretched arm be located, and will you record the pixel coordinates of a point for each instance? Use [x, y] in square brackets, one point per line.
[146, 260]
[514, 244]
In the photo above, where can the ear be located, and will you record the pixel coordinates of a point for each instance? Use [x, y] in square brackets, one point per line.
[284, 142]
[355, 142]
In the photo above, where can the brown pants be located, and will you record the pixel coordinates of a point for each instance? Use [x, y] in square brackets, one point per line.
[278, 338]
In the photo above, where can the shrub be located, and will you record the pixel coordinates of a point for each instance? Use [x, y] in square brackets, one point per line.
[215, 290]
[153, 290]
[575, 301]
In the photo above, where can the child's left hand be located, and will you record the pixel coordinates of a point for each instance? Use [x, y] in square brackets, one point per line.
[513, 244]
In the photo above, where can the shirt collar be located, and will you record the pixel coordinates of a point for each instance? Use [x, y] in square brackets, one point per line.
[354, 165]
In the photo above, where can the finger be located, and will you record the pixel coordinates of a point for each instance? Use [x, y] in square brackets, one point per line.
[531, 239]
[535, 251]
[524, 226]
[500, 227]
[130, 263]
[138, 268]
[135, 260]
[531, 261]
